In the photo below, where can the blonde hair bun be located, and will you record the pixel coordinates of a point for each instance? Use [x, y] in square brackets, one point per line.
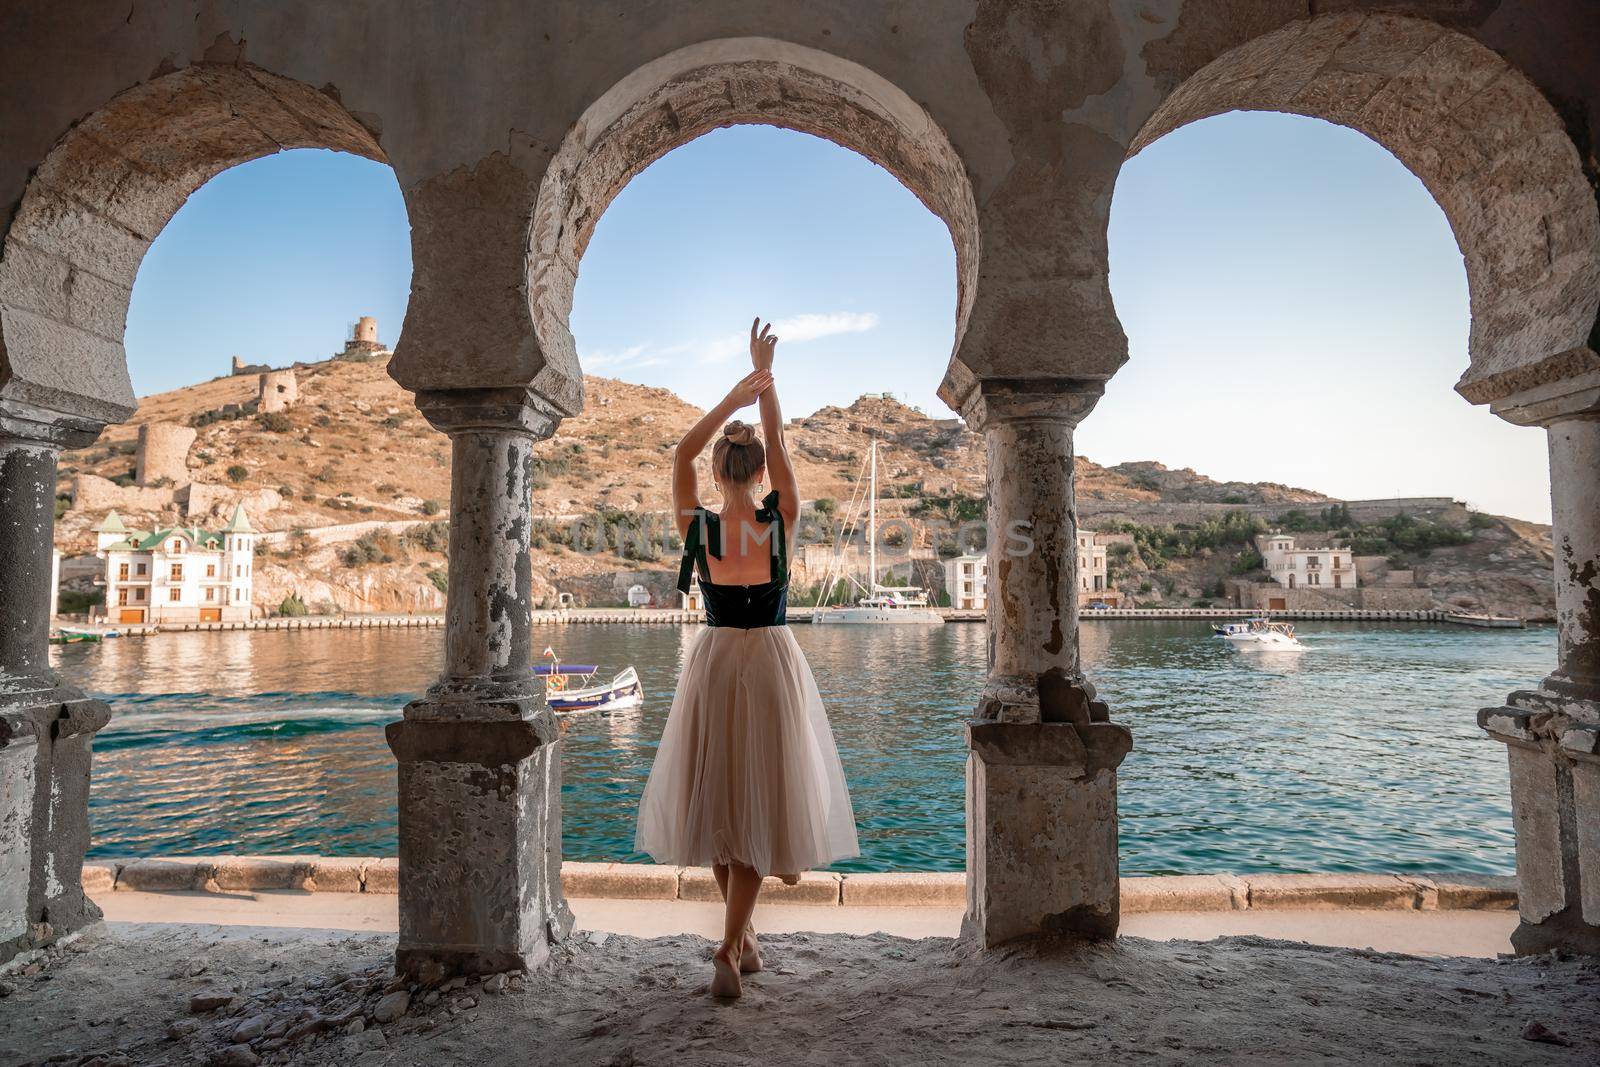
[738, 455]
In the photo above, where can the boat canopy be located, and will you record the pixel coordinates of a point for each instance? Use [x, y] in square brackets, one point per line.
[565, 668]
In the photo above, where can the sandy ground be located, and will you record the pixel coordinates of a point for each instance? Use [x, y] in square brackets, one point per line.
[126, 994]
[1429, 933]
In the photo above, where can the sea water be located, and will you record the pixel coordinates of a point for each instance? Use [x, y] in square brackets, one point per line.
[1361, 753]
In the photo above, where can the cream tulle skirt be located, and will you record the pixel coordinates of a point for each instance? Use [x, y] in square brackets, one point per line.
[747, 772]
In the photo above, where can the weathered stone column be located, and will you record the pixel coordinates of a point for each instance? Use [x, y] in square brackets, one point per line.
[480, 773]
[45, 727]
[1552, 734]
[1042, 767]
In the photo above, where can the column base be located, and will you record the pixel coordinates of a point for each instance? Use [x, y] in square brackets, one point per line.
[1553, 747]
[480, 839]
[1042, 830]
[1566, 931]
[45, 738]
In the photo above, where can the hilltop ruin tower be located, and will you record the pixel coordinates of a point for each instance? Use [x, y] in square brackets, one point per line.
[162, 453]
[277, 390]
[363, 343]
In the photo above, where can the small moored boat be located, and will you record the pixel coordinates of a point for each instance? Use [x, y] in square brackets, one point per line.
[623, 691]
[1491, 622]
[72, 637]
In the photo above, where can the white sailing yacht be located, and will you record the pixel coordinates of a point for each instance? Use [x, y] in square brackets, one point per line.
[893, 605]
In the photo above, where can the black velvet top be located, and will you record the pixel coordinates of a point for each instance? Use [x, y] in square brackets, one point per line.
[744, 607]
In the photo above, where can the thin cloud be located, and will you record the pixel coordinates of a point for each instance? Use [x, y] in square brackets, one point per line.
[809, 327]
[794, 330]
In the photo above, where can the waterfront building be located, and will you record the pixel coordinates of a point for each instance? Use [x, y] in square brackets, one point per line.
[1094, 574]
[966, 578]
[1299, 566]
[176, 574]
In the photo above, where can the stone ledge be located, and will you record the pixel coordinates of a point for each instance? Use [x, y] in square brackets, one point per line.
[381, 876]
[338, 874]
[620, 881]
[910, 889]
[235, 873]
[1333, 891]
[1184, 892]
[163, 874]
[1475, 892]
[814, 887]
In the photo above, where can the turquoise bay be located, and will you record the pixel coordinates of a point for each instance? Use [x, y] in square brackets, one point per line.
[1362, 753]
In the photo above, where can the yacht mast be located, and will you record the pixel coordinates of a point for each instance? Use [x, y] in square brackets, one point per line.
[872, 527]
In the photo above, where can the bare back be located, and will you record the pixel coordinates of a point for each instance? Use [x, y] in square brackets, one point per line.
[747, 548]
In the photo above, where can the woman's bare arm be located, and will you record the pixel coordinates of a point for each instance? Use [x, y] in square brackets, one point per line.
[685, 488]
[780, 472]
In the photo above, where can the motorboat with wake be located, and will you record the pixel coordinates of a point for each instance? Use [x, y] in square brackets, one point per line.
[879, 604]
[1259, 634]
[569, 688]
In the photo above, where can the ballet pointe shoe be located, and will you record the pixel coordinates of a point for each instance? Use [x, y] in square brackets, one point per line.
[750, 954]
[725, 981]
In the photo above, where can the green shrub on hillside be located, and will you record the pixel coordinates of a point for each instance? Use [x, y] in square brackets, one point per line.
[1246, 561]
[368, 548]
[293, 606]
[72, 602]
[428, 537]
[238, 473]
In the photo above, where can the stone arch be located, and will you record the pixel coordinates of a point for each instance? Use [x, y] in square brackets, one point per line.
[74, 246]
[750, 80]
[1482, 139]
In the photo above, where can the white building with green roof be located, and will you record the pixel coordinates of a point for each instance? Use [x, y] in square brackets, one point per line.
[177, 574]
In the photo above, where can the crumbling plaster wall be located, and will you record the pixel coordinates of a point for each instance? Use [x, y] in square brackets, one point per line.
[1040, 101]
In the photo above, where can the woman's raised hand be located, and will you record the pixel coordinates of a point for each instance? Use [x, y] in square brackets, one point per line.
[762, 347]
[750, 388]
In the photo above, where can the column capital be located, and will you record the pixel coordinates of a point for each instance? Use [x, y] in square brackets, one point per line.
[520, 411]
[995, 400]
[1573, 396]
[42, 426]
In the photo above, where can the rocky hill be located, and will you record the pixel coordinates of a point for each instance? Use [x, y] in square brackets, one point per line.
[351, 480]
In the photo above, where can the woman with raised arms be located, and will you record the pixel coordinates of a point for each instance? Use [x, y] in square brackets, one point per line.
[746, 779]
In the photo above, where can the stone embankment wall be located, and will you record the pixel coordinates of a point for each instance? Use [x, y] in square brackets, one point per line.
[163, 453]
[1259, 596]
[939, 889]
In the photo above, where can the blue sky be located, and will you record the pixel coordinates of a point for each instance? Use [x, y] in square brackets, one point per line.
[1295, 305]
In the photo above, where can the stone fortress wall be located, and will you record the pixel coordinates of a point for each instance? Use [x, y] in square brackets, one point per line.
[1156, 513]
[163, 453]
